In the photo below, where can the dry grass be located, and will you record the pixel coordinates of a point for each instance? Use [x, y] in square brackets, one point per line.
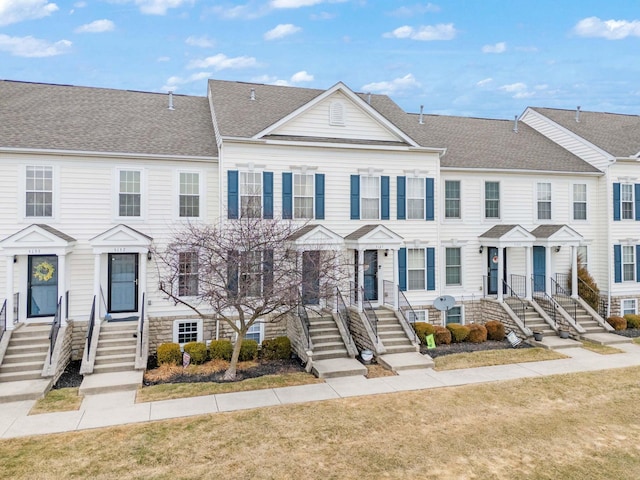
[494, 357]
[601, 349]
[579, 426]
[636, 340]
[164, 372]
[376, 371]
[60, 400]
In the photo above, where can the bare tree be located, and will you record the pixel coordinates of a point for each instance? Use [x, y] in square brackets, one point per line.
[245, 271]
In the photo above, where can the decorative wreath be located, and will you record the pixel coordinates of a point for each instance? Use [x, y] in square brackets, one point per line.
[44, 271]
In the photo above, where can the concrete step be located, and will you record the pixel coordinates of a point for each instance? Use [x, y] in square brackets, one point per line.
[391, 349]
[26, 349]
[116, 342]
[326, 354]
[395, 342]
[21, 375]
[326, 338]
[25, 357]
[114, 367]
[119, 358]
[322, 323]
[337, 367]
[21, 390]
[129, 325]
[26, 341]
[323, 330]
[117, 350]
[31, 331]
[405, 361]
[111, 382]
[321, 347]
[21, 366]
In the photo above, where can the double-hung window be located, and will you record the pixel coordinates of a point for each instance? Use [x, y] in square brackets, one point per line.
[303, 195]
[187, 274]
[628, 263]
[416, 269]
[492, 200]
[369, 198]
[39, 191]
[544, 201]
[189, 194]
[415, 198]
[454, 315]
[629, 306]
[580, 201]
[452, 199]
[255, 332]
[626, 201]
[129, 193]
[251, 194]
[453, 266]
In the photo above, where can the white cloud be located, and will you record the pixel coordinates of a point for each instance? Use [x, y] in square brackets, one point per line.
[609, 29]
[300, 3]
[222, 62]
[301, 76]
[32, 47]
[155, 7]
[282, 30]
[418, 9]
[97, 26]
[203, 41]
[80, 4]
[442, 31]
[485, 82]
[14, 11]
[519, 90]
[392, 87]
[499, 47]
[248, 11]
[173, 82]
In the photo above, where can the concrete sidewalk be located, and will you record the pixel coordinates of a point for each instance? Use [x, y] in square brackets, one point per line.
[109, 409]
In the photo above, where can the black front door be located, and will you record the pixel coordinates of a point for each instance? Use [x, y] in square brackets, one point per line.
[123, 282]
[371, 275]
[42, 289]
[311, 277]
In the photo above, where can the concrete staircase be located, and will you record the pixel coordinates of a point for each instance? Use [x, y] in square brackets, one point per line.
[534, 322]
[391, 333]
[116, 350]
[586, 321]
[330, 356]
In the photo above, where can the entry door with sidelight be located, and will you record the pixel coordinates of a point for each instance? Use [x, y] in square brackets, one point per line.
[371, 275]
[42, 291]
[539, 269]
[123, 282]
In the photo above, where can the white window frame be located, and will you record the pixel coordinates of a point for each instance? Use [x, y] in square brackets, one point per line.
[544, 198]
[624, 310]
[417, 199]
[181, 275]
[486, 200]
[142, 193]
[627, 197]
[421, 316]
[457, 200]
[199, 195]
[298, 175]
[370, 198]
[422, 268]
[242, 193]
[53, 191]
[182, 321]
[447, 266]
[575, 202]
[626, 263]
[256, 328]
[446, 315]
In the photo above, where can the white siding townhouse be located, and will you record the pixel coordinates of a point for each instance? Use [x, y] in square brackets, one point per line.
[492, 213]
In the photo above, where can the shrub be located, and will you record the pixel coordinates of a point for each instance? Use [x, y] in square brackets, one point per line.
[618, 323]
[278, 348]
[423, 329]
[477, 333]
[220, 350]
[169, 353]
[588, 288]
[198, 352]
[633, 320]
[495, 330]
[248, 351]
[442, 335]
[459, 333]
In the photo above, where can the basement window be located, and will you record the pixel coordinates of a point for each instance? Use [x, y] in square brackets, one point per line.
[185, 331]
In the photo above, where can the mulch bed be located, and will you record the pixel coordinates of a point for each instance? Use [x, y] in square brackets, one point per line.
[466, 347]
[71, 377]
[629, 332]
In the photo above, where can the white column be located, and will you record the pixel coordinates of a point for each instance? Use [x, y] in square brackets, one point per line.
[574, 272]
[528, 287]
[142, 282]
[9, 293]
[62, 282]
[500, 274]
[547, 269]
[396, 279]
[96, 284]
[360, 282]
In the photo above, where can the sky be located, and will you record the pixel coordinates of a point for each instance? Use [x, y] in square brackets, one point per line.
[480, 58]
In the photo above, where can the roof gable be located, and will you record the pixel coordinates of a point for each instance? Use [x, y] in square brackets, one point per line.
[508, 236]
[121, 236]
[43, 238]
[373, 237]
[315, 236]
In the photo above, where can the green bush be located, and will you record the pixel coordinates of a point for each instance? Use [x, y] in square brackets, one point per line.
[278, 348]
[442, 335]
[633, 320]
[477, 333]
[248, 350]
[423, 329]
[220, 350]
[198, 352]
[169, 353]
[618, 323]
[495, 330]
[459, 333]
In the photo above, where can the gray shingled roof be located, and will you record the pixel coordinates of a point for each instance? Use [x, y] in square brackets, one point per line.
[361, 232]
[62, 117]
[470, 142]
[616, 134]
[498, 231]
[545, 231]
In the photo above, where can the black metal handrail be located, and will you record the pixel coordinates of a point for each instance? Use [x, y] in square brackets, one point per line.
[3, 318]
[588, 294]
[92, 323]
[518, 284]
[141, 322]
[565, 300]
[343, 314]
[303, 315]
[55, 328]
[369, 313]
[405, 306]
[517, 305]
[546, 302]
[66, 305]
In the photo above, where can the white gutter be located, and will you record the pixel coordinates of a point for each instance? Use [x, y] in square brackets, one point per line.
[82, 153]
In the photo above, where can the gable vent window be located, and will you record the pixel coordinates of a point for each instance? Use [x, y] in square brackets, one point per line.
[336, 113]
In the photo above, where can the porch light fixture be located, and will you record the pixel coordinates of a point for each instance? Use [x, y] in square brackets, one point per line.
[149, 255]
[480, 250]
[557, 248]
[15, 259]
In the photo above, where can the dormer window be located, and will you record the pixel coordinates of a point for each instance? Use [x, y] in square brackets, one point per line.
[336, 113]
